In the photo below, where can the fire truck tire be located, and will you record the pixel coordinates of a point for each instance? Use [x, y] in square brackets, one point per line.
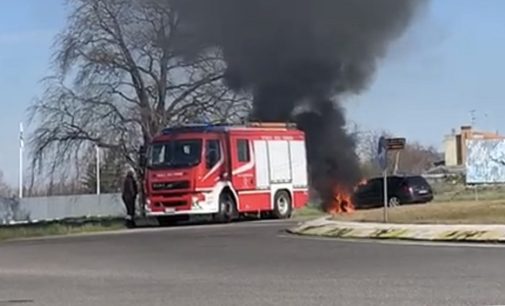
[282, 205]
[227, 208]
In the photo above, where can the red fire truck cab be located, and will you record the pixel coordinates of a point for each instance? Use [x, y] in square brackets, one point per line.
[226, 171]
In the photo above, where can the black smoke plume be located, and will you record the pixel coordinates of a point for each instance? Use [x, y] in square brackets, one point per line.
[298, 57]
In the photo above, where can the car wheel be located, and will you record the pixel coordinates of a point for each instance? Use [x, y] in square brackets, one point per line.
[394, 202]
[282, 205]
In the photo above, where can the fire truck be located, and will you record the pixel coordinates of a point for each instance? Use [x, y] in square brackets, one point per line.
[225, 171]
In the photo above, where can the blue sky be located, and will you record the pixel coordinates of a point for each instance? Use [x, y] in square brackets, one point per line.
[450, 62]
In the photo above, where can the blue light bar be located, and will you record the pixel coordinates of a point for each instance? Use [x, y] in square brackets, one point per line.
[195, 128]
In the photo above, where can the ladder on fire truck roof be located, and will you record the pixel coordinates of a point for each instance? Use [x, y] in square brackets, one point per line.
[204, 127]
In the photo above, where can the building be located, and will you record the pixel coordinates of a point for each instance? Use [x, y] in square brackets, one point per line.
[455, 144]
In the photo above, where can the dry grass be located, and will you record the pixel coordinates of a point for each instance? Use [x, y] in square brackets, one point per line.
[464, 212]
[58, 228]
[308, 212]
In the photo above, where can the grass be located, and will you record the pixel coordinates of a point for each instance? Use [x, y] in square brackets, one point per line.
[448, 192]
[66, 227]
[59, 228]
[466, 194]
[308, 212]
[461, 212]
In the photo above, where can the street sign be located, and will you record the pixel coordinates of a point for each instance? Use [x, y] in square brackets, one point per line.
[385, 145]
[382, 153]
[394, 144]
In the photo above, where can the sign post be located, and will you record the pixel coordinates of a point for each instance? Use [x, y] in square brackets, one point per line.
[385, 145]
[386, 196]
[382, 157]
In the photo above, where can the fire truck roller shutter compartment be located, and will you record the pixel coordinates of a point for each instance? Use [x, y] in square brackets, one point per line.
[299, 173]
[298, 164]
[262, 169]
[279, 162]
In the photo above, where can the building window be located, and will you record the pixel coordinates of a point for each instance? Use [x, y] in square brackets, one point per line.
[243, 150]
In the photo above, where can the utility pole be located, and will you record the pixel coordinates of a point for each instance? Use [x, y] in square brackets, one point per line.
[21, 149]
[473, 118]
[97, 169]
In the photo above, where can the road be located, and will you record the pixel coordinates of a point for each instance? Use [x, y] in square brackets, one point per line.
[244, 264]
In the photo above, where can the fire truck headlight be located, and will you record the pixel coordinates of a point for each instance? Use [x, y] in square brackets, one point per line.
[198, 198]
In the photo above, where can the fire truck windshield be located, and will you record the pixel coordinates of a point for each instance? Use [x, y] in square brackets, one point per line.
[175, 154]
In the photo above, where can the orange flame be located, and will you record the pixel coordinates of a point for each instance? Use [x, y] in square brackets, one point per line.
[341, 202]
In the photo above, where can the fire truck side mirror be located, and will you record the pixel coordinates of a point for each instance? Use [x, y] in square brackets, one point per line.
[211, 158]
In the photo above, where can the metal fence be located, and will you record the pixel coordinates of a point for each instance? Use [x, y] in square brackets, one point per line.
[60, 207]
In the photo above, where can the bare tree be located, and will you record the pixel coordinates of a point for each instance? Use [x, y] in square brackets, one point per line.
[120, 79]
[5, 189]
[414, 159]
[110, 170]
[417, 159]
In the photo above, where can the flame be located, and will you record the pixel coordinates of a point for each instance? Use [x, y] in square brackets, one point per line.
[341, 202]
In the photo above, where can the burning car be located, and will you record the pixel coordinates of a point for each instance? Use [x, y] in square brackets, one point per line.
[401, 190]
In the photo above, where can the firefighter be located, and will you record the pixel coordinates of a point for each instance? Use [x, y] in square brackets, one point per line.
[129, 196]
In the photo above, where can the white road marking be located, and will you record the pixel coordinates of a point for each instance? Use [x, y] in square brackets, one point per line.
[399, 242]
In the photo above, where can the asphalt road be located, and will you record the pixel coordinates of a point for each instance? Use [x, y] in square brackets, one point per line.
[244, 264]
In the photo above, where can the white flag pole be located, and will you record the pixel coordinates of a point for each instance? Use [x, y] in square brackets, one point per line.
[21, 148]
[97, 148]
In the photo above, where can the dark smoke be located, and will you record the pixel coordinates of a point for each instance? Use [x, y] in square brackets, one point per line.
[301, 53]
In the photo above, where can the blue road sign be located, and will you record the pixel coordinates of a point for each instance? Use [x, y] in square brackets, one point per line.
[382, 153]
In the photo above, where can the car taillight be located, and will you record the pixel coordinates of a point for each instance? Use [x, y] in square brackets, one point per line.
[408, 189]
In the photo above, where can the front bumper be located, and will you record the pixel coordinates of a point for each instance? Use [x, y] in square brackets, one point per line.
[186, 204]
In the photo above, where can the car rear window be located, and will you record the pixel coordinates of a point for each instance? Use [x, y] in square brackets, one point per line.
[417, 181]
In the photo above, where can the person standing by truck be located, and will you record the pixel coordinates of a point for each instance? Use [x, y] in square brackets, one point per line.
[129, 195]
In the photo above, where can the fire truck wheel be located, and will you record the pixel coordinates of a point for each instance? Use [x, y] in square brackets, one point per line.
[282, 205]
[227, 208]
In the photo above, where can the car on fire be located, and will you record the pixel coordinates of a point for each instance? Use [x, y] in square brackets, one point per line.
[401, 190]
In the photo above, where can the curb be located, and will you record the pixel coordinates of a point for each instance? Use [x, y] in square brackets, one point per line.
[324, 227]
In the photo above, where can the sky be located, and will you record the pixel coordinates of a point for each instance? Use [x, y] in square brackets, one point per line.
[448, 64]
